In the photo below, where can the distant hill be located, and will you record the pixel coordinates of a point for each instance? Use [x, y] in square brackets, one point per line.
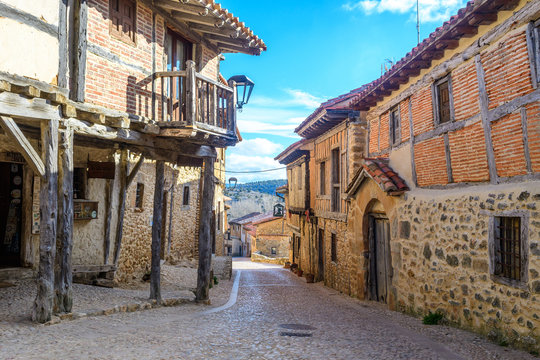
[265, 187]
[258, 196]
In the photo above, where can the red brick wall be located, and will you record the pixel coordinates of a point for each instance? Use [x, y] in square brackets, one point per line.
[114, 85]
[384, 139]
[404, 117]
[422, 111]
[430, 159]
[533, 135]
[468, 154]
[507, 70]
[374, 135]
[465, 91]
[507, 137]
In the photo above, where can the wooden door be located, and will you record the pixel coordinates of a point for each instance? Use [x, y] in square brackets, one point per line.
[179, 50]
[11, 179]
[379, 265]
[321, 255]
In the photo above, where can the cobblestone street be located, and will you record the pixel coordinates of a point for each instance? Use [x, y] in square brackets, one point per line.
[276, 315]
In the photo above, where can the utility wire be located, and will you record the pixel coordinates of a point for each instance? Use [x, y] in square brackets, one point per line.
[254, 171]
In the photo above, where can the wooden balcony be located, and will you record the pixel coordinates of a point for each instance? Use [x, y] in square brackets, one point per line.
[194, 106]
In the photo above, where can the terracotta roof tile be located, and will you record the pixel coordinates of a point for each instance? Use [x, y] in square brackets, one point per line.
[378, 170]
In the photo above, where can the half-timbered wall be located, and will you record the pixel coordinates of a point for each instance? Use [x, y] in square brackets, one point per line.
[298, 185]
[334, 140]
[28, 32]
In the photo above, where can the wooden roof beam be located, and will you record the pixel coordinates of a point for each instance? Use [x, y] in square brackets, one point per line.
[464, 31]
[175, 5]
[233, 48]
[483, 18]
[233, 33]
[208, 20]
[432, 54]
[447, 44]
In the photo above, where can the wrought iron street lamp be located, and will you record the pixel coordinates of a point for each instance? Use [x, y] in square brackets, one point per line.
[244, 87]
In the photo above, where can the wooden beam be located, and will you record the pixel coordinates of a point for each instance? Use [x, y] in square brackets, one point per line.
[198, 19]
[135, 170]
[175, 5]
[235, 33]
[78, 78]
[191, 92]
[48, 203]
[155, 287]
[16, 105]
[121, 204]
[64, 279]
[205, 223]
[447, 44]
[483, 18]
[23, 145]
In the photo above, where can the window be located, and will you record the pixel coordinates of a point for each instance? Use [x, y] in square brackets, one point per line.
[79, 183]
[273, 251]
[507, 240]
[122, 14]
[443, 100]
[139, 194]
[185, 201]
[395, 128]
[336, 195]
[533, 39]
[299, 177]
[322, 178]
[298, 245]
[334, 247]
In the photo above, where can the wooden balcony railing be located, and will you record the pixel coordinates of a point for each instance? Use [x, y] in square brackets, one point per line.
[188, 98]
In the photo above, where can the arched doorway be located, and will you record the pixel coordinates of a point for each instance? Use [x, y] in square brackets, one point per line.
[380, 265]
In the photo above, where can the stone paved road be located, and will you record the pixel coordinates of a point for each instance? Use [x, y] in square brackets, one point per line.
[338, 328]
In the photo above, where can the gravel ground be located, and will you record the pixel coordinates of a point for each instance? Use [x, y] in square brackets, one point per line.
[176, 282]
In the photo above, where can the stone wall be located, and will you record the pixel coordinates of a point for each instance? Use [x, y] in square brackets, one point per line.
[265, 243]
[445, 263]
[267, 259]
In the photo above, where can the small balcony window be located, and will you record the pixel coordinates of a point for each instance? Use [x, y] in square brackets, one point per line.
[442, 101]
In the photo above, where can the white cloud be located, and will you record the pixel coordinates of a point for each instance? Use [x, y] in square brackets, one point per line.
[238, 162]
[259, 146]
[430, 10]
[291, 98]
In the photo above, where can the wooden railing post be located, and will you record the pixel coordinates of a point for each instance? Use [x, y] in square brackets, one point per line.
[191, 92]
[214, 106]
[231, 108]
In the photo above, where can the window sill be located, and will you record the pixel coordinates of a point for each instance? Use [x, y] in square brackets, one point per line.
[518, 284]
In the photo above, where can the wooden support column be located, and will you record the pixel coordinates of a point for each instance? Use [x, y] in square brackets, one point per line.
[48, 202]
[205, 224]
[121, 203]
[155, 287]
[191, 92]
[64, 277]
[231, 107]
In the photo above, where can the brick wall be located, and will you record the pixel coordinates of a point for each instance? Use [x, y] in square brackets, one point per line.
[465, 91]
[468, 154]
[431, 162]
[374, 135]
[533, 132]
[404, 118]
[507, 70]
[422, 110]
[384, 137]
[508, 145]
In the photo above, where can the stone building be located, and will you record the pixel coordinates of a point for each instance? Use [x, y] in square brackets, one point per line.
[444, 185]
[114, 140]
[270, 242]
[241, 244]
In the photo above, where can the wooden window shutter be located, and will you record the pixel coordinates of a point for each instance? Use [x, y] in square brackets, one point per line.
[444, 102]
[114, 14]
[128, 19]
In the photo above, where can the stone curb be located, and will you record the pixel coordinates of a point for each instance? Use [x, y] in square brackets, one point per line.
[151, 304]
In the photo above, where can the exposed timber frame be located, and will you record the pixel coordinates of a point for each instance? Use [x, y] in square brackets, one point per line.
[155, 286]
[205, 238]
[43, 304]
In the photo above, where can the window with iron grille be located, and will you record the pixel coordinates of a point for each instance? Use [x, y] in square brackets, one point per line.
[122, 15]
[334, 247]
[442, 91]
[507, 240]
[185, 201]
[139, 194]
[273, 251]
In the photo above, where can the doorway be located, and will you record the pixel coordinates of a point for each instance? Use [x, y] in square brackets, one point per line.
[179, 50]
[379, 255]
[11, 183]
[320, 259]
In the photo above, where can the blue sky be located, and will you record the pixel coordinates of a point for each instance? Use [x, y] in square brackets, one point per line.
[317, 50]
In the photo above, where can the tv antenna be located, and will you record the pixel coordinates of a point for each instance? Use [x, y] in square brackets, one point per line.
[418, 20]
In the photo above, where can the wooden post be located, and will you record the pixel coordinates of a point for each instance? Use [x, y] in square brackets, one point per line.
[63, 281]
[155, 288]
[205, 224]
[109, 189]
[191, 92]
[121, 204]
[48, 202]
